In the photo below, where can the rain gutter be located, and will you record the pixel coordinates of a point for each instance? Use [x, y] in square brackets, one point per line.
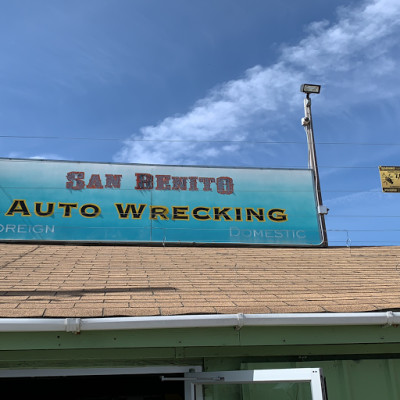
[237, 321]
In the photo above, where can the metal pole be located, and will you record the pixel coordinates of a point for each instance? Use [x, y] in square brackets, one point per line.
[312, 164]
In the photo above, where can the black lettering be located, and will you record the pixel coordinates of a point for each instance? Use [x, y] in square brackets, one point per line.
[180, 213]
[218, 213]
[39, 212]
[132, 209]
[201, 217]
[67, 208]
[160, 211]
[277, 215]
[18, 206]
[250, 213]
[93, 214]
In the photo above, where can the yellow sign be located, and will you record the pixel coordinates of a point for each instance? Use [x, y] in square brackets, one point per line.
[390, 179]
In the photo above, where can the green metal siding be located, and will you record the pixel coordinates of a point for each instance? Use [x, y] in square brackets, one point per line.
[202, 337]
[352, 379]
[359, 362]
[377, 379]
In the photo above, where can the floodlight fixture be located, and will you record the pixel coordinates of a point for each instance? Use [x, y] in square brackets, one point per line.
[308, 89]
[306, 121]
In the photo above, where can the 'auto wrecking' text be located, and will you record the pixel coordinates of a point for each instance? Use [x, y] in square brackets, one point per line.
[155, 212]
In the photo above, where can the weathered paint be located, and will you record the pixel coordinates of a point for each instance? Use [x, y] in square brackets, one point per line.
[200, 337]
[131, 203]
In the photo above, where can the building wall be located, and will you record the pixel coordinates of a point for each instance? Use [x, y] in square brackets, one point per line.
[359, 362]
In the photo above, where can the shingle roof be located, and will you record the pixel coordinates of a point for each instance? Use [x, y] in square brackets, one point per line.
[107, 281]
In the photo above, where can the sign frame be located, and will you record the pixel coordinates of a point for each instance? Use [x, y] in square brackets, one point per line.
[164, 204]
[390, 179]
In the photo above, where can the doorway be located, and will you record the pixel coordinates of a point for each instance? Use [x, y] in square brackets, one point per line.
[96, 384]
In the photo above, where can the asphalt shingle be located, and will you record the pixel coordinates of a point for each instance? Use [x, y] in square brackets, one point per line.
[105, 281]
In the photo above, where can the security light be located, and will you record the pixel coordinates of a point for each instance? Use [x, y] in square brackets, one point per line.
[312, 158]
[307, 88]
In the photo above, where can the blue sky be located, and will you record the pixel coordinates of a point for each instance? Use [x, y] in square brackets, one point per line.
[212, 83]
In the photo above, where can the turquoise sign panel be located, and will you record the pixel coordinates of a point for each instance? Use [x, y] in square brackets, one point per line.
[99, 202]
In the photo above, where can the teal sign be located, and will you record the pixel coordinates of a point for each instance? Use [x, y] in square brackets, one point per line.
[131, 203]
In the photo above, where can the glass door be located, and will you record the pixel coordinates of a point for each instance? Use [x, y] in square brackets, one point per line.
[311, 377]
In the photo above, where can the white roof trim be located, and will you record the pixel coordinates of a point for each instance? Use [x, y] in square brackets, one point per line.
[238, 321]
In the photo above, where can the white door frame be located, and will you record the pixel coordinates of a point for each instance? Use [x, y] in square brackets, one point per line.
[54, 372]
[314, 376]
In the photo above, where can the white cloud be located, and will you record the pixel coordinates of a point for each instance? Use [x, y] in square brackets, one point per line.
[359, 32]
[47, 156]
[344, 54]
[44, 156]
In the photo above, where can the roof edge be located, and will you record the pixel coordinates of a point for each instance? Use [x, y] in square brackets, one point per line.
[237, 321]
